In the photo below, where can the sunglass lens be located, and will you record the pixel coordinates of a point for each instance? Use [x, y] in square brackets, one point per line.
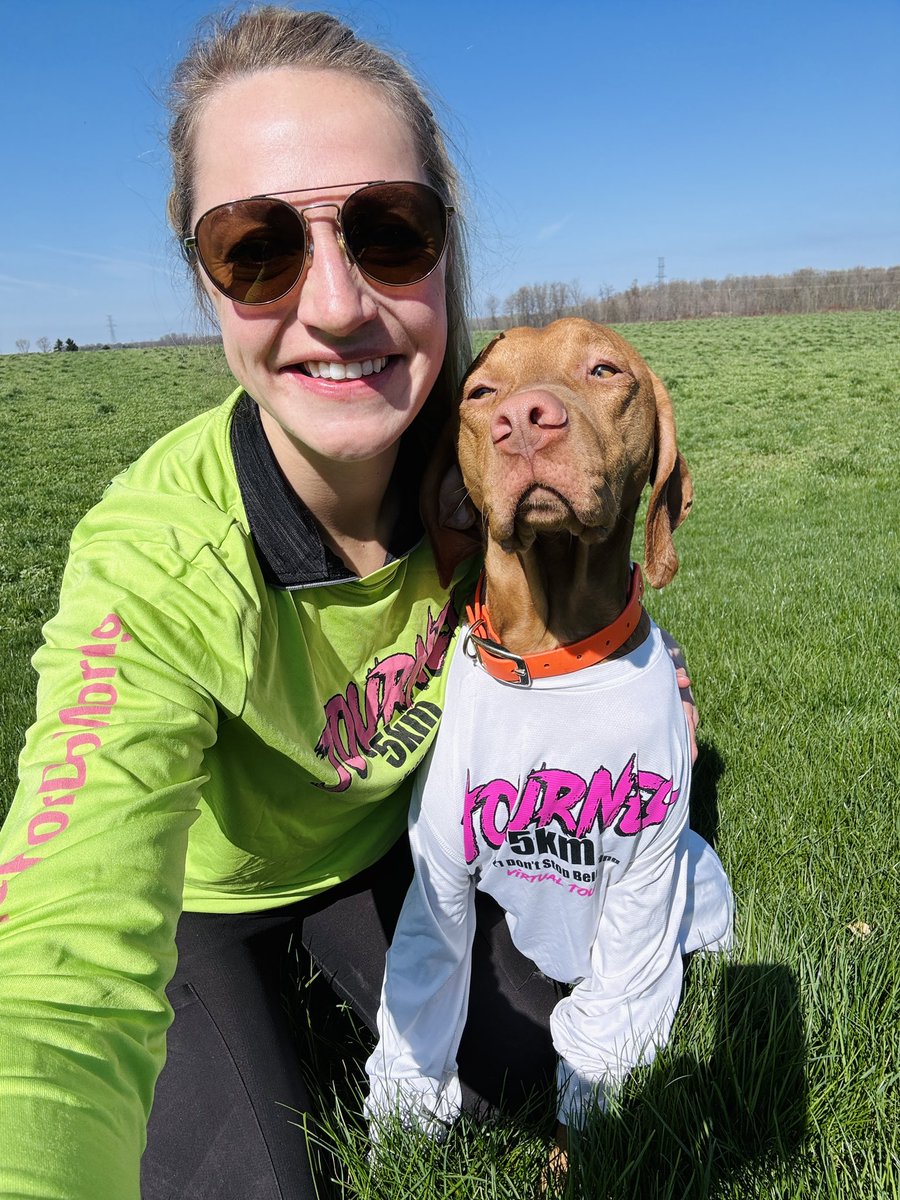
[253, 250]
[395, 231]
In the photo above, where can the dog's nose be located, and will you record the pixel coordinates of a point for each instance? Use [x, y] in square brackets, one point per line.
[527, 421]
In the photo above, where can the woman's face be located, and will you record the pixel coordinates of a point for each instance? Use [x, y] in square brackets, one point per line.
[297, 128]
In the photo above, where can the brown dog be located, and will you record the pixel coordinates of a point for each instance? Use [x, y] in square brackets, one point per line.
[559, 431]
[565, 799]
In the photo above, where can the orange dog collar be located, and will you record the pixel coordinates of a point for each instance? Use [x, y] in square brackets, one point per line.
[502, 664]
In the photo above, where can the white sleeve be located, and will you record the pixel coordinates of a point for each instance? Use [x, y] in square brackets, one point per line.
[622, 1013]
[412, 1070]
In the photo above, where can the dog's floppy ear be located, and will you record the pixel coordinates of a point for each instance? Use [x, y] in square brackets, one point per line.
[452, 525]
[671, 497]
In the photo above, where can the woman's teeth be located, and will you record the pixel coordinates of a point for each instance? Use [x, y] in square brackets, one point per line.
[348, 370]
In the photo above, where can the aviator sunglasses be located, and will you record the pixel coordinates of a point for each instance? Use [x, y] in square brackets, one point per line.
[255, 250]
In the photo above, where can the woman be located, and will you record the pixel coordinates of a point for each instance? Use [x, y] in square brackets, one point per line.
[247, 661]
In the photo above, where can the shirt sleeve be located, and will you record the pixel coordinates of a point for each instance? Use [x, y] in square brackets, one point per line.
[412, 1070]
[92, 861]
[622, 1013]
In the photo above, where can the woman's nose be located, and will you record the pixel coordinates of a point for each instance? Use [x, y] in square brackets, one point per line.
[333, 296]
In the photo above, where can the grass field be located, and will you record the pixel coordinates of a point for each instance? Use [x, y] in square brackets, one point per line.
[783, 1076]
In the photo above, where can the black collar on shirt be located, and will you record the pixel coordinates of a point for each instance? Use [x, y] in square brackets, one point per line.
[286, 537]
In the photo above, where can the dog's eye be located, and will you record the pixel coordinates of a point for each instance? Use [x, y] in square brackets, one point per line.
[478, 393]
[605, 370]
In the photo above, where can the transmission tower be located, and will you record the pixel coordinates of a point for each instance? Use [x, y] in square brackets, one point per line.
[660, 271]
[112, 328]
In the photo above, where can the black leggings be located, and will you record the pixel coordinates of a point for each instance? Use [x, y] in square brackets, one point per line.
[224, 1124]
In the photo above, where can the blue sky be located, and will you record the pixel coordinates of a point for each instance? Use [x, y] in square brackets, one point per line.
[729, 138]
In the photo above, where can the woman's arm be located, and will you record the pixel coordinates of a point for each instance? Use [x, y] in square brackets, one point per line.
[92, 865]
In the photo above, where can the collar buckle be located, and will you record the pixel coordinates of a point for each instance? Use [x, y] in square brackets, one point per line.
[521, 676]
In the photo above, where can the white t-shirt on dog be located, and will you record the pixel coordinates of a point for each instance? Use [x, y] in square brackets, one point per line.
[567, 801]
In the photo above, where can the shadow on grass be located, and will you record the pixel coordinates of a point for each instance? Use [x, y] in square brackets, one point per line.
[688, 1129]
[708, 770]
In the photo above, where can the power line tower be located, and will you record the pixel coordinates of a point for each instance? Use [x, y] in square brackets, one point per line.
[112, 328]
[660, 271]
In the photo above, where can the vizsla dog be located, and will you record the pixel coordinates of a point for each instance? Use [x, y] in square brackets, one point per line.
[560, 775]
[559, 431]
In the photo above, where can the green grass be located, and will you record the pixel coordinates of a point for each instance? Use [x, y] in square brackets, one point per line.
[69, 423]
[782, 1079]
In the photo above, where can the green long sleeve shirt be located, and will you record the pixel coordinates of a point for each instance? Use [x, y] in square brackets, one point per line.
[204, 739]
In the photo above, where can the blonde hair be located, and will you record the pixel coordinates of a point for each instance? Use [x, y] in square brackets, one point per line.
[230, 47]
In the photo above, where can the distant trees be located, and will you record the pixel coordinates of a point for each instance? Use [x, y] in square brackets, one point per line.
[750, 295]
[542, 302]
[178, 340]
[679, 299]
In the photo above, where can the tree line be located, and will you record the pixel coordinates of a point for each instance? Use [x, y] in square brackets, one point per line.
[23, 345]
[735, 296]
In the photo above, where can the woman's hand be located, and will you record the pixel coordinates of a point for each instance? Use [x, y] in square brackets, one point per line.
[684, 687]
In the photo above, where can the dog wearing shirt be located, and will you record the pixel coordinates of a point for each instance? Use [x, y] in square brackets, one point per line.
[560, 776]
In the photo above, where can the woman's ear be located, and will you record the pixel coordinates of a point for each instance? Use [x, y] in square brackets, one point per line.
[671, 497]
[452, 524]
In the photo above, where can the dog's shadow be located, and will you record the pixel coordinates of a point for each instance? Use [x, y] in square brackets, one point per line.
[708, 770]
[687, 1128]
[734, 1112]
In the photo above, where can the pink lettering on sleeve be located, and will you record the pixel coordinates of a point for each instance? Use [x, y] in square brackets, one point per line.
[70, 774]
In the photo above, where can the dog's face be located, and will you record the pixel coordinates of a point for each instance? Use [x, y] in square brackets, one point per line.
[556, 432]
[559, 430]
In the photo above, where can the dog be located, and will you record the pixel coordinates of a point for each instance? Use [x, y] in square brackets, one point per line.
[559, 779]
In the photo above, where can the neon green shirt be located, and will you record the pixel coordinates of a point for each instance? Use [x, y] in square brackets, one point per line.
[203, 740]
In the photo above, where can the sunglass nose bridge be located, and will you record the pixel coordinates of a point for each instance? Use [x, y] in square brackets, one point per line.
[306, 208]
[338, 228]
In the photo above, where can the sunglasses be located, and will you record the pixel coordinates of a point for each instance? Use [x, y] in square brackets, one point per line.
[254, 251]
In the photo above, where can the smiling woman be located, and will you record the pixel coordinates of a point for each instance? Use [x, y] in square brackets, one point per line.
[316, 424]
[248, 660]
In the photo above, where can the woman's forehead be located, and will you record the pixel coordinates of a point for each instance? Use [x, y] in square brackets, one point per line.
[298, 127]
